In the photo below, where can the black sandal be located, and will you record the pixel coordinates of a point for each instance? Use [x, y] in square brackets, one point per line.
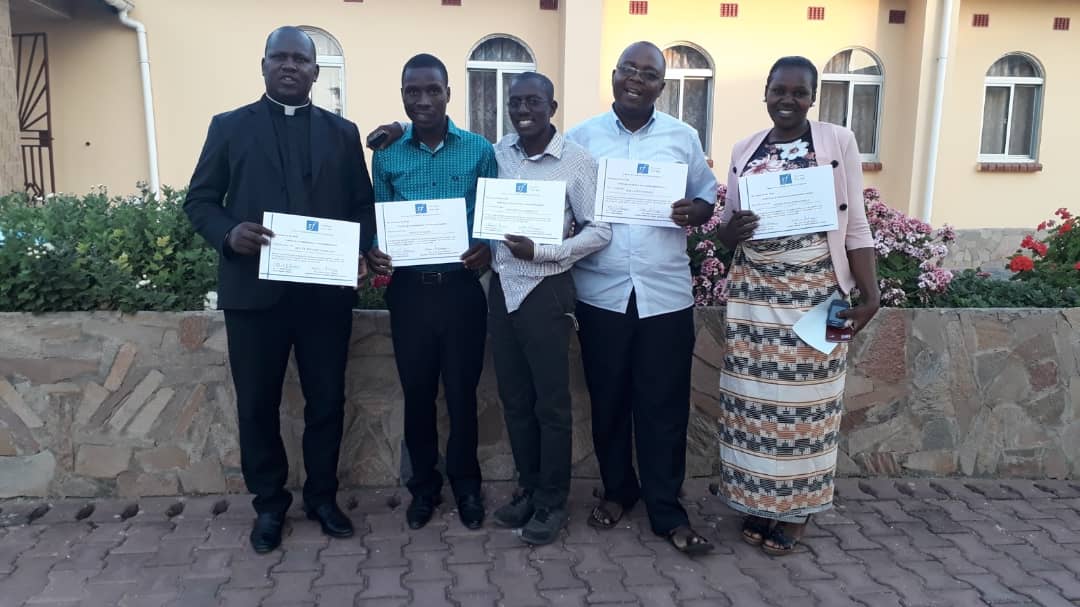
[754, 529]
[689, 542]
[602, 518]
[784, 544]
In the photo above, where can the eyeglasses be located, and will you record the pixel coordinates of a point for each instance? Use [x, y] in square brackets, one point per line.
[646, 76]
[533, 103]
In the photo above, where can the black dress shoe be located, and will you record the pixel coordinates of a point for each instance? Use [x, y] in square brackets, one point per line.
[421, 509]
[266, 532]
[332, 520]
[471, 510]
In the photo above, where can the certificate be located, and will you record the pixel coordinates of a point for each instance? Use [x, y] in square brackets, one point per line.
[419, 232]
[791, 202]
[310, 250]
[638, 192]
[520, 207]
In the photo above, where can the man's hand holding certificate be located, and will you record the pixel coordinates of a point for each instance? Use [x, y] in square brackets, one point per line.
[534, 209]
[421, 232]
[791, 202]
[310, 250]
[638, 192]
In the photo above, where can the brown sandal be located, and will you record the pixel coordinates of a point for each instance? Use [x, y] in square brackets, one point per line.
[689, 542]
[602, 518]
[784, 544]
[754, 530]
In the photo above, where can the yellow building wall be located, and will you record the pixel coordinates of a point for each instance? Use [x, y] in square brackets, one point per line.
[968, 198]
[205, 56]
[744, 48]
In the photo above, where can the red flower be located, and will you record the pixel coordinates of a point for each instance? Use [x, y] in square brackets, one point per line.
[1042, 226]
[1021, 263]
[1040, 248]
[1063, 213]
[1065, 227]
[1077, 266]
[1028, 242]
[380, 281]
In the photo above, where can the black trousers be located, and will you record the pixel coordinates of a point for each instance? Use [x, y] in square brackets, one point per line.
[638, 374]
[316, 322]
[439, 325]
[533, 370]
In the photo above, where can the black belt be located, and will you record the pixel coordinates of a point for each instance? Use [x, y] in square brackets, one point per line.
[435, 278]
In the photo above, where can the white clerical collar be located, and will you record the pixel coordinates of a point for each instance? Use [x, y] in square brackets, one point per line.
[289, 109]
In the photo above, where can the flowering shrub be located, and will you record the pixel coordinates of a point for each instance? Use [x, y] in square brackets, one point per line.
[708, 259]
[99, 253]
[96, 252]
[909, 254]
[1052, 255]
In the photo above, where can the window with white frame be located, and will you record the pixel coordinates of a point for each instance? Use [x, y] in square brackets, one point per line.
[491, 67]
[1012, 107]
[850, 96]
[328, 92]
[688, 91]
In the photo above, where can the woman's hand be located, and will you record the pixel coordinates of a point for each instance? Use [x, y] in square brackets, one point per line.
[860, 315]
[740, 227]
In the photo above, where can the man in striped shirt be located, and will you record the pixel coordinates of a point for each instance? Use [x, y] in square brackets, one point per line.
[531, 311]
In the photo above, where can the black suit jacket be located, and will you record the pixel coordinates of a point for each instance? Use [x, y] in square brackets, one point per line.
[239, 176]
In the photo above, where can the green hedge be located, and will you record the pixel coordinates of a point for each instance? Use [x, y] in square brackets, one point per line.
[96, 252]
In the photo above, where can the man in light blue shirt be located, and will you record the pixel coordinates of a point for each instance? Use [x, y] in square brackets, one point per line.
[635, 308]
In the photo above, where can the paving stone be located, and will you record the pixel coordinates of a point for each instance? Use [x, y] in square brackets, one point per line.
[467, 549]
[299, 557]
[337, 595]
[198, 592]
[1020, 547]
[248, 597]
[1047, 597]
[427, 566]
[386, 552]
[291, 587]
[432, 593]
[556, 574]
[340, 571]
[564, 597]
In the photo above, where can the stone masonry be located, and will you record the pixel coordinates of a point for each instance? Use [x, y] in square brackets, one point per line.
[104, 404]
[11, 170]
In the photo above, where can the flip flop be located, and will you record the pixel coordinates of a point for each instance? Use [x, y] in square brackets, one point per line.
[754, 530]
[602, 518]
[689, 542]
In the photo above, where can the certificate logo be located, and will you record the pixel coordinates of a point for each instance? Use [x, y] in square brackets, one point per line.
[785, 179]
[312, 226]
[522, 188]
[643, 169]
[421, 209]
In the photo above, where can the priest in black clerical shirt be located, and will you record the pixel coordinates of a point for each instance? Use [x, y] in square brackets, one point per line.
[283, 154]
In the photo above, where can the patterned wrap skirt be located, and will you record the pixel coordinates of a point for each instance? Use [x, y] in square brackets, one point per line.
[781, 400]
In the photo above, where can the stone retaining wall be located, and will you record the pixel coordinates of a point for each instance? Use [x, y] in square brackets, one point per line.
[96, 404]
[986, 248]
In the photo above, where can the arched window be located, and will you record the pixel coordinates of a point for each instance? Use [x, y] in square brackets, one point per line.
[491, 66]
[1012, 109]
[688, 91]
[851, 96]
[328, 92]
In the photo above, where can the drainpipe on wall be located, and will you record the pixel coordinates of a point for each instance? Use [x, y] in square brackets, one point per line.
[936, 112]
[124, 6]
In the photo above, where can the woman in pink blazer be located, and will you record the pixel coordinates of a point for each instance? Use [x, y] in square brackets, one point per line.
[782, 399]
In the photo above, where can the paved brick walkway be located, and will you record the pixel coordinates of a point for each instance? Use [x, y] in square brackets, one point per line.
[909, 543]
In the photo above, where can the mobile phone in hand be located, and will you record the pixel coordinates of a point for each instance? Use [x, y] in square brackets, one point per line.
[836, 328]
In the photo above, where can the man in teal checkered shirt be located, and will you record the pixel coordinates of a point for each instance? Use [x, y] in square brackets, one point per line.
[438, 313]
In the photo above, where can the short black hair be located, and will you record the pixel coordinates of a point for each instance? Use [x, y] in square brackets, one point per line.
[290, 29]
[795, 61]
[545, 82]
[424, 60]
[649, 45]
